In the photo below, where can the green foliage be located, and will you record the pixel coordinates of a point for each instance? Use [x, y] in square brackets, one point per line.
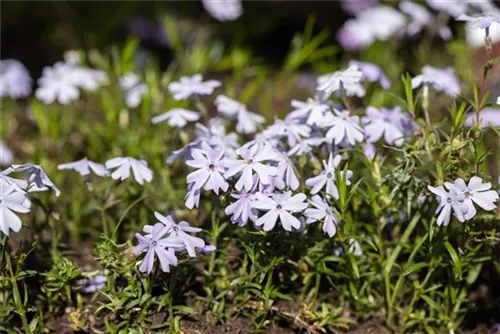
[411, 275]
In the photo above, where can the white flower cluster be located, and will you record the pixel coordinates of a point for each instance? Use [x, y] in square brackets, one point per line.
[459, 198]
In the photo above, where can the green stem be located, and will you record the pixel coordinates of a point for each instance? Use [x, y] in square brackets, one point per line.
[104, 223]
[417, 294]
[17, 296]
[124, 214]
[390, 263]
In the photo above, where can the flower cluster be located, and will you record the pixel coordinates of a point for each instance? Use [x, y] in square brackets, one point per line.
[261, 174]
[164, 240]
[376, 22]
[460, 198]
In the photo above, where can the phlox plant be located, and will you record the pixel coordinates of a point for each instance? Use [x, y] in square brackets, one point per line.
[363, 191]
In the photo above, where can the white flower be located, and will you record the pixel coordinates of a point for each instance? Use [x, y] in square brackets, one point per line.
[187, 86]
[313, 111]
[252, 161]
[386, 122]
[210, 169]
[223, 10]
[6, 155]
[448, 202]
[475, 192]
[370, 25]
[475, 37]
[125, 164]
[344, 128]
[35, 176]
[5, 180]
[241, 210]
[322, 211]
[178, 232]
[134, 89]
[177, 117]
[84, 167]
[57, 84]
[12, 199]
[15, 79]
[328, 177]
[279, 206]
[483, 21]
[246, 121]
[487, 117]
[498, 100]
[349, 80]
[62, 81]
[440, 79]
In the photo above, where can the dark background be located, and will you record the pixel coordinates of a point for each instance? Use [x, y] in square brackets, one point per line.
[38, 32]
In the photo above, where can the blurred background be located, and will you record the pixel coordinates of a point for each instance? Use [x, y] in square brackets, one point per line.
[37, 33]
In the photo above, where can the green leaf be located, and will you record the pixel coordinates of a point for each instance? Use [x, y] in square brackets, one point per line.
[431, 303]
[457, 264]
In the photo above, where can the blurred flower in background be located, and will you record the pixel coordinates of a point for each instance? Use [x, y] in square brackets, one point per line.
[134, 89]
[93, 284]
[441, 79]
[61, 82]
[223, 10]
[370, 25]
[15, 80]
[354, 7]
[487, 116]
[6, 155]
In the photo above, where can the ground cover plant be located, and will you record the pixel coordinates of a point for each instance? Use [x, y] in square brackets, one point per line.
[352, 188]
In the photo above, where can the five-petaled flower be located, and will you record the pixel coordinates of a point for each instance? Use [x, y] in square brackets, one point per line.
[327, 177]
[322, 211]
[210, 169]
[347, 80]
[242, 210]
[252, 161]
[279, 206]
[123, 166]
[84, 166]
[154, 243]
[344, 128]
[177, 117]
[188, 242]
[187, 86]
